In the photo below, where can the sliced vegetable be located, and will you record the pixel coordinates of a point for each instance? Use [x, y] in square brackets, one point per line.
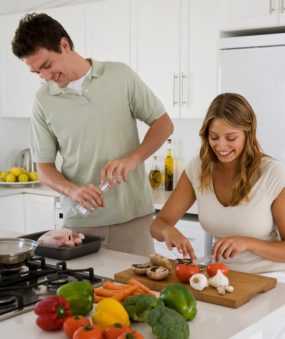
[185, 271]
[157, 272]
[179, 298]
[108, 312]
[71, 324]
[213, 268]
[141, 268]
[80, 296]
[88, 332]
[52, 311]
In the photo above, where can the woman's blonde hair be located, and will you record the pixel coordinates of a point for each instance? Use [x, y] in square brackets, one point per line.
[235, 110]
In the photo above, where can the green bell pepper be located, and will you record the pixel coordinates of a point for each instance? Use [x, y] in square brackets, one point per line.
[180, 299]
[80, 296]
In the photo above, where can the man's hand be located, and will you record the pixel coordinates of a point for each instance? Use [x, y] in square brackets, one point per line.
[88, 196]
[173, 238]
[229, 247]
[116, 171]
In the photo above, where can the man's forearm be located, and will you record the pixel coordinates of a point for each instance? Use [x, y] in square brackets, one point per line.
[156, 135]
[51, 177]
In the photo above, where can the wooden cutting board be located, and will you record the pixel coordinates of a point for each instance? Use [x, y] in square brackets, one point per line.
[246, 286]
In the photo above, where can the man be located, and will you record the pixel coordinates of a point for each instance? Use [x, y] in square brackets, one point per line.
[87, 112]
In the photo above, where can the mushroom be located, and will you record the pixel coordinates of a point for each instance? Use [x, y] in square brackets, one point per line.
[159, 260]
[157, 272]
[140, 268]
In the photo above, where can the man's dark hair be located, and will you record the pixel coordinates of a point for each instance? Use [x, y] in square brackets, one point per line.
[38, 31]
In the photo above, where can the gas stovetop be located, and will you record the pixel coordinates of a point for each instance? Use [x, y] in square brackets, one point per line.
[22, 285]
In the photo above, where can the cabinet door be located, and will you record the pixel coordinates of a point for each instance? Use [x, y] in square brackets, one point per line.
[243, 14]
[282, 13]
[108, 30]
[40, 213]
[157, 44]
[12, 214]
[199, 56]
[17, 84]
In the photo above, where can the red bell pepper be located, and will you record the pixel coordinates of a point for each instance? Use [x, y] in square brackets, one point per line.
[52, 311]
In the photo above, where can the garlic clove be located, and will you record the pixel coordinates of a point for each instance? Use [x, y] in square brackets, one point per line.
[230, 288]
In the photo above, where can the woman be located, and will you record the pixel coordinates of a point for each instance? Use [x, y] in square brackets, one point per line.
[240, 193]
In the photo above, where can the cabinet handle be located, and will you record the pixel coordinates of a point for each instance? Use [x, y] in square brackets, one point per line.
[175, 77]
[183, 99]
[271, 7]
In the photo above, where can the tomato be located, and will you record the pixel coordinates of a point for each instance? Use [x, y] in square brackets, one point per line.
[88, 332]
[115, 330]
[185, 271]
[131, 334]
[71, 324]
[213, 268]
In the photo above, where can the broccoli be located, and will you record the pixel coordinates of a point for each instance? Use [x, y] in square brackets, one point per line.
[139, 306]
[167, 323]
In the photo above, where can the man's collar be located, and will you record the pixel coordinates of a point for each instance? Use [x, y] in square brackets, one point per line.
[97, 69]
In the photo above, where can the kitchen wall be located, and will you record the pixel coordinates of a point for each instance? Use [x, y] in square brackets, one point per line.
[14, 136]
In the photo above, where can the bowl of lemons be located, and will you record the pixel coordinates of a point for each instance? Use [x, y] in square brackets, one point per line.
[18, 176]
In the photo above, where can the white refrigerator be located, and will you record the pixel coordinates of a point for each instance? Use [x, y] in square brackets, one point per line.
[254, 66]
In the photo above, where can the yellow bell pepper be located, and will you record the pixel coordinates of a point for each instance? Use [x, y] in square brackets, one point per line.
[108, 312]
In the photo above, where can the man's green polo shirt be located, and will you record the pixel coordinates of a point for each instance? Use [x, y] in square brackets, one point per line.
[92, 128]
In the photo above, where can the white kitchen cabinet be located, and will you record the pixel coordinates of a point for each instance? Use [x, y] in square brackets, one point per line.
[40, 213]
[244, 14]
[29, 213]
[108, 30]
[199, 239]
[12, 215]
[17, 84]
[175, 52]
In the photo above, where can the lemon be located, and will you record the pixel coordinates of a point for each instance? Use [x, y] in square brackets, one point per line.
[10, 177]
[33, 176]
[3, 176]
[16, 171]
[23, 177]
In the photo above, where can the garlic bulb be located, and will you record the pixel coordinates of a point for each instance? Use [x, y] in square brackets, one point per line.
[219, 280]
[198, 281]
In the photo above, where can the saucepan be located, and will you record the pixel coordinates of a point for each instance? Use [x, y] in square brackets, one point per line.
[16, 250]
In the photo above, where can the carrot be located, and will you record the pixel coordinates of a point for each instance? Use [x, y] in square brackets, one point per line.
[103, 292]
[97, 298]
[112, 286]
[124, 293]
[145, 289]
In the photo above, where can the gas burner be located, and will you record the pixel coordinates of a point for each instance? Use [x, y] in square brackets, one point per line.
[56, 280]
[7, 300]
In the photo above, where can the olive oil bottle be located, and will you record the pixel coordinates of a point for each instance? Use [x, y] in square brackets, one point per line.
[155, 175]
[169, 167]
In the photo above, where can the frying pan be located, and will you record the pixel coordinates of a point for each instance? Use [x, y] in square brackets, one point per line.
[16, 250]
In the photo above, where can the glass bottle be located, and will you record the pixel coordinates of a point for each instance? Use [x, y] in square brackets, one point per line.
[169, 167]
[155, 175]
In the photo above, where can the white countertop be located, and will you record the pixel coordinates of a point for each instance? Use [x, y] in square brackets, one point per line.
[261, 318]
[32, 189]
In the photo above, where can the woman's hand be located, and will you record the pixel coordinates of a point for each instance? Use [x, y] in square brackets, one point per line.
[229, 247]
[173, 238]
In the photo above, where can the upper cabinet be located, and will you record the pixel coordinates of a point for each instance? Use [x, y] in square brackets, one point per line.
[108, 30]
[175, 52]
[244, 14]
[17, 82]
